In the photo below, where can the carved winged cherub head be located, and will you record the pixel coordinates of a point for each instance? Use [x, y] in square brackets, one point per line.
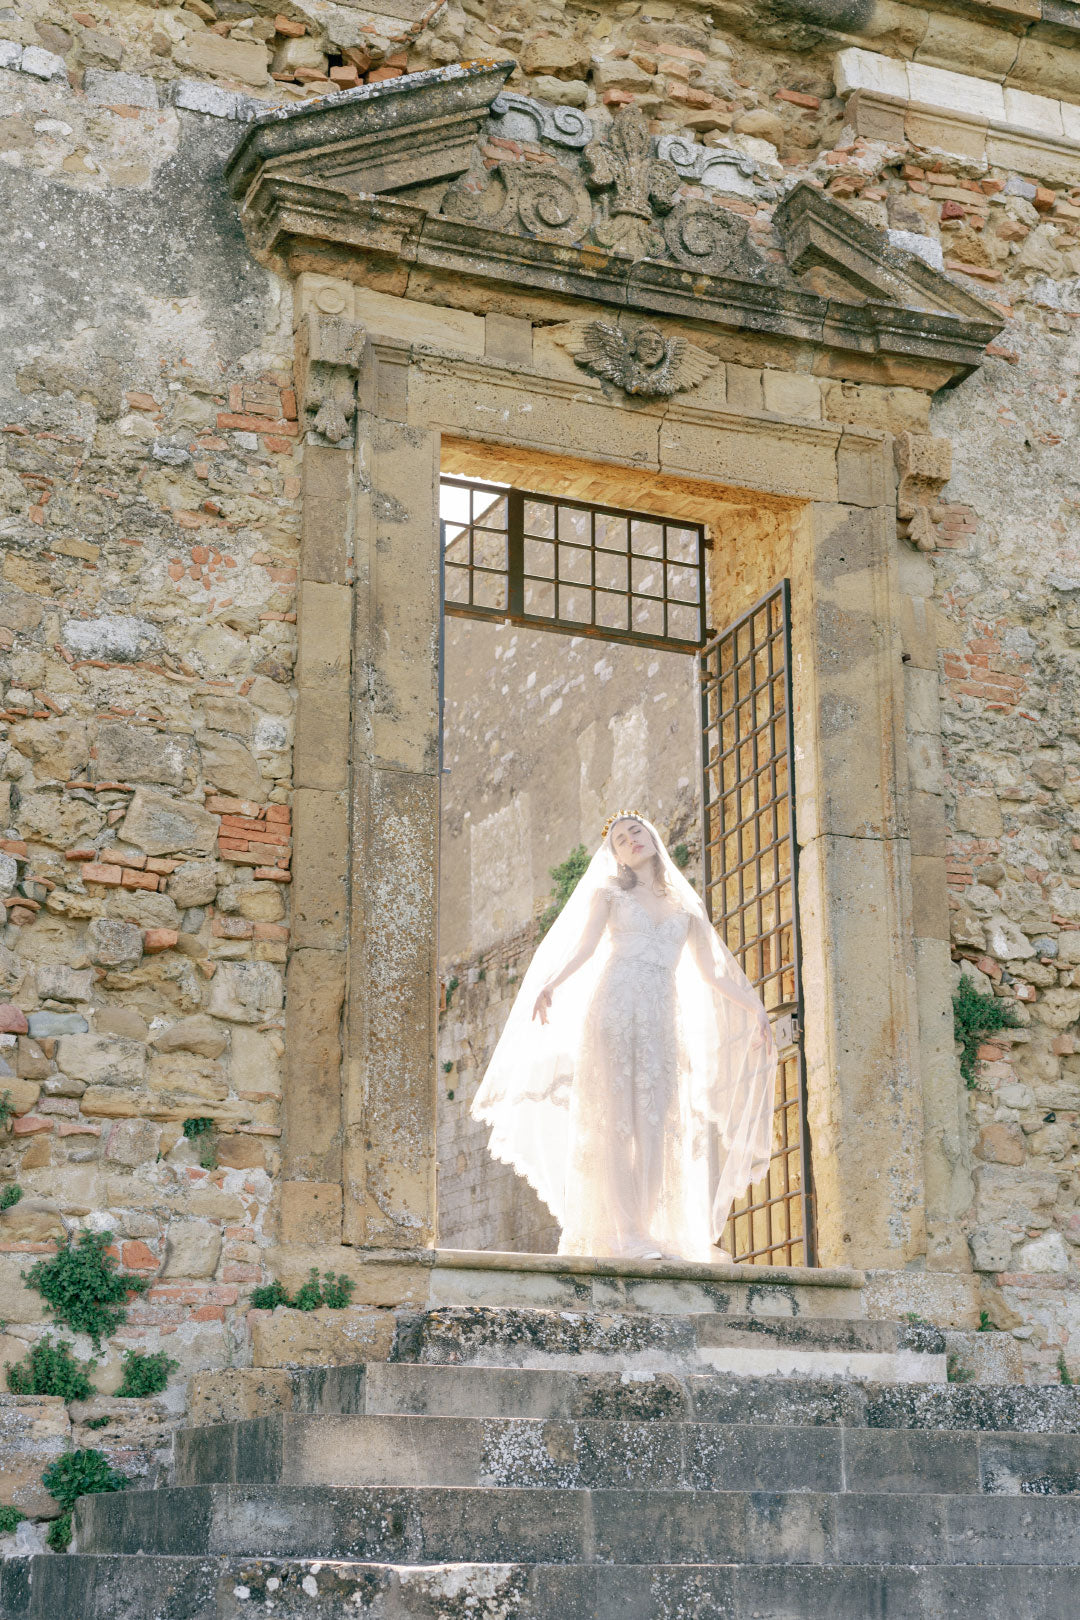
[639, 359]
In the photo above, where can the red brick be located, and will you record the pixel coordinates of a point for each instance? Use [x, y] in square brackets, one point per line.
[136, 863]
[12, 1020]
[92, 872]
[78, 1127]
[136, 1256]
[139, 880]
[228, 420]
[278, 931]
[159, 939]
[278, 812]
[272, 874]
[289, 27]
[219, 806]
[30, 1125]
[799, 99]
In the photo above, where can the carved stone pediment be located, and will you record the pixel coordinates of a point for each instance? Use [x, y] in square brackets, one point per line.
[447, 171]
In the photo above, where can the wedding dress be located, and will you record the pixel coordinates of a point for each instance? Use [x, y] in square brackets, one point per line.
[644, 1106]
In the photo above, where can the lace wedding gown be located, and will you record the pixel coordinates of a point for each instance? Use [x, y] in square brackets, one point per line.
[626, 1112]
[643, 1107]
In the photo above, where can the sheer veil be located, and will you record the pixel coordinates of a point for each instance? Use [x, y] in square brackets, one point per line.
[726, 1080]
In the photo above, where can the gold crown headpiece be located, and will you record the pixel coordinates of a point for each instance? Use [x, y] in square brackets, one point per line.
[620, 815]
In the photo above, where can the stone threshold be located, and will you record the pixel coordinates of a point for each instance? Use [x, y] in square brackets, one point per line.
[647, 1270]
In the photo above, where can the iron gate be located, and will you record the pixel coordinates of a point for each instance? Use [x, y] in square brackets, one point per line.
[751, 891]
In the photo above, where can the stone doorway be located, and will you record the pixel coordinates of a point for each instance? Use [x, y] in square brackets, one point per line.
[626, 593]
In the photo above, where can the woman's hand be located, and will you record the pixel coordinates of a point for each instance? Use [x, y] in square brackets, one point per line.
[542, 1005]
[763, 1035]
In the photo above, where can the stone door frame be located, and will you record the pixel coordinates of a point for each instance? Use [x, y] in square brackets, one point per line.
[435, 385]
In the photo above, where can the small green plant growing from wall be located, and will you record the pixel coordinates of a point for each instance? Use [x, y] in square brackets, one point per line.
[681, 856]
[7, 1111]
[84, 1288]
[975, 1016]
[10, 1518]
[985, 1324]
[203, 1131]
[75, 1474]
[10, 1195]
[51, 1369]
[564, 880]
[1064, 1374]
[145, 1373]
[450, 988]
[333, 1291]
[955, 1373]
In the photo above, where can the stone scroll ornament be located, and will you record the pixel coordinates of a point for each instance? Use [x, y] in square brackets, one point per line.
[640, 360]
[618, 193]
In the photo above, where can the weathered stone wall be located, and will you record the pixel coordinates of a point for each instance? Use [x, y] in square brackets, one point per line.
[149, 494]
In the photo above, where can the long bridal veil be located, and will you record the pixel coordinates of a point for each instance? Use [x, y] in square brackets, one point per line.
[718, 1140]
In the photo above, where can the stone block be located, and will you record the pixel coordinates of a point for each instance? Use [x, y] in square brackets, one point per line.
[508, 337]
[194, 883]
[929, 897]
[926, 823]
[22, 1094]
[322, 1338]
[560, 56]
[34, 1431]
[232, 768]
[193, 1248]
[1001, 1143]
[376, 1281]
[875, 119]
[32, 1220]
[319, 889]
[1045, 1253]
[316, 994]
[115, 944]
[102, 1059]
[246, 992]
[133, 1141]
[414, 322]
[324, 616]
[960, 135]
[161, 825]
[790, 394]
[979, 814]
[311, 1212]
[745, 390]
[195, 1034]
[17, 1302]
[246, 60]
[991, 1248]
[990, 1358]
[321, 749]
[126, 753]
[868, 70]
[325, 542]
[236, 1393]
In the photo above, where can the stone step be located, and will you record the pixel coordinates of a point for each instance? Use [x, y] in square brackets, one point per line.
[606, 1454]
[81, 1587]
[423, 1526]
[731, 1342]
[386, 1387]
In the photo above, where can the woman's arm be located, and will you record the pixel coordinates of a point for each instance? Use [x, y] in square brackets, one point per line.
[590, 939]
[744, 996]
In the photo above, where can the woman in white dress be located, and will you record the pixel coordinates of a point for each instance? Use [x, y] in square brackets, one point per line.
[633, 1083]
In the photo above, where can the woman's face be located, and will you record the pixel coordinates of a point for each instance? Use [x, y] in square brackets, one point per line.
[632, 844]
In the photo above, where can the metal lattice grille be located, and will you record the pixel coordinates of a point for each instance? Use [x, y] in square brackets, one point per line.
[751, 892]
[558, 564]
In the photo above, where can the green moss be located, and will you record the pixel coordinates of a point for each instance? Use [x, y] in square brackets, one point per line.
[9, 1518]
[975, 1016]
[50, 1369]
[10, 1196]
[84, 1288]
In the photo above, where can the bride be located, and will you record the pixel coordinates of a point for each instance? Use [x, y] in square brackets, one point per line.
[633, 1083]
